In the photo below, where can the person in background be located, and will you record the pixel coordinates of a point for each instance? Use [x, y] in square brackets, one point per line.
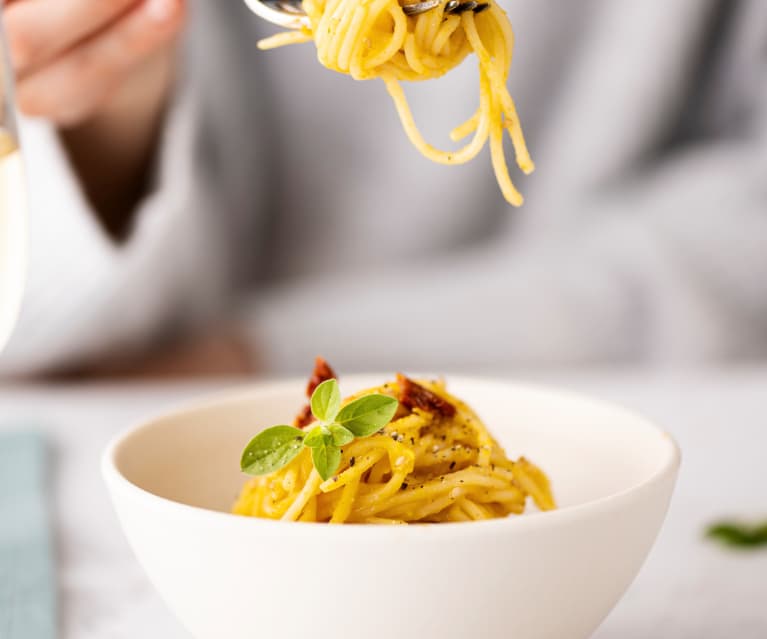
[199, 206]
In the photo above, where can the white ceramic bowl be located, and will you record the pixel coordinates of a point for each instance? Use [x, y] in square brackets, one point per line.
[539, 576]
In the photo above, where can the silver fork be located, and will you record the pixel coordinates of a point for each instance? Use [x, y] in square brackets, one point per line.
[289, 14]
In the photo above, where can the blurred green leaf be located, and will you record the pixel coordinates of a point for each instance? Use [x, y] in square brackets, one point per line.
[739, 535]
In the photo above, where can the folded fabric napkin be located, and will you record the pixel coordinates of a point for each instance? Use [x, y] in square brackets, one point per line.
[27, 577]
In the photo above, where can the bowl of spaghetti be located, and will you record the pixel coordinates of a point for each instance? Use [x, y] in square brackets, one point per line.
[405, 507]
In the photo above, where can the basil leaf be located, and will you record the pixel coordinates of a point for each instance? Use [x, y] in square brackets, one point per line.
[341, 435]
[326, 460]
[739, 535]
[271, 449]
[318, 436]
[326, 400]
[368, 414]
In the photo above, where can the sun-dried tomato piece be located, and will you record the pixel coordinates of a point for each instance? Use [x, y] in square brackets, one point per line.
[413, 395]
[304, 418]
[322, 373]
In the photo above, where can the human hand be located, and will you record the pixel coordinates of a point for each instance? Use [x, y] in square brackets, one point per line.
[102, 71]
[72, 57]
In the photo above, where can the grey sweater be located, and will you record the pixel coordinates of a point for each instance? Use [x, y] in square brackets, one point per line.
[289, 201]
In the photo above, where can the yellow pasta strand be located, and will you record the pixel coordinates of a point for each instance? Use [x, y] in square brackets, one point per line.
[375, 39]
[424, 467]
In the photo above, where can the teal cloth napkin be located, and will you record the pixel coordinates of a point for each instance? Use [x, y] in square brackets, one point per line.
[27, 577]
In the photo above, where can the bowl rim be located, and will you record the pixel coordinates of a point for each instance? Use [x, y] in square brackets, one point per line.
[116, 481]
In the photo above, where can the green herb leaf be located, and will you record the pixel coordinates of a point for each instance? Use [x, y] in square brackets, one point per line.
[341, 436]
[326, 460]
[271, 449]
[368, 414]
[275, 447]
[318, 436]
[739, 535]
[326, 400]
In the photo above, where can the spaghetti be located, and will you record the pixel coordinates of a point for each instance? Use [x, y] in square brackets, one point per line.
[376, 39]
[434, 462]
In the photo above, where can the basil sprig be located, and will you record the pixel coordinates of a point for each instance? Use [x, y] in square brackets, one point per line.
[336, 427]
[739, 535]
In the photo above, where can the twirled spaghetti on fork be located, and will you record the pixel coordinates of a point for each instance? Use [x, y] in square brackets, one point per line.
[377, 39]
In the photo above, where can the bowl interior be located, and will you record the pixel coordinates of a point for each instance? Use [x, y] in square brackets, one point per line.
[590, 450]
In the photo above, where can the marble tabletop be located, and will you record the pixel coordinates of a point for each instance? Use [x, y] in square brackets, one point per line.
[688, 589]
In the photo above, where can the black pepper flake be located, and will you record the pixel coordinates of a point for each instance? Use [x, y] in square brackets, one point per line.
[412, 441]
[452, 465]
[404, 486]
[352, 461]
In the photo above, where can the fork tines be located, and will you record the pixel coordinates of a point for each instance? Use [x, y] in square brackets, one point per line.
[456, 6]
[452, 6]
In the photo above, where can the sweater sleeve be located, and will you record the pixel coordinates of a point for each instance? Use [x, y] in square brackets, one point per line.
[666, 268]
[87, 296]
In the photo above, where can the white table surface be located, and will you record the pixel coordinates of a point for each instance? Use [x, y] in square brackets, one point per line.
[688, 589]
